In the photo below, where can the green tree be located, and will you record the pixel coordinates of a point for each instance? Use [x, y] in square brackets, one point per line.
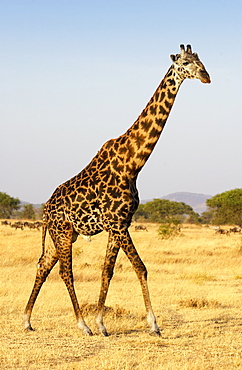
[39, 212]
[8, 205]
[207, 217]
[226, 208]
[194, 218]
[164, 211]
[141, 214]
[28, 212]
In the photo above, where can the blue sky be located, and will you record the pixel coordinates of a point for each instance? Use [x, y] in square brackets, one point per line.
[77, 73]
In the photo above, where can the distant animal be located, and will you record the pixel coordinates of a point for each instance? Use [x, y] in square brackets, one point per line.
[33, 225]
[18, 225]
[38, 224]
[104, 196]
[223, 231]
[5, 223]
[140, 227]
[214, 227]
[235, 229]
[30, 225]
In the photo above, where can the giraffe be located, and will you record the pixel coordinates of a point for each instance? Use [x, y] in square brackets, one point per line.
[103, 196]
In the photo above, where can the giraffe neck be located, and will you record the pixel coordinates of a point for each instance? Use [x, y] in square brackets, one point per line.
[129, 152]
[143, 135]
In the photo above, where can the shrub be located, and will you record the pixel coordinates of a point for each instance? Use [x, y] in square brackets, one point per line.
[169, 230]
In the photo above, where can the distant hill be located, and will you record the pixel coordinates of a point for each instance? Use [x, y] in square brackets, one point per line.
[196, 201]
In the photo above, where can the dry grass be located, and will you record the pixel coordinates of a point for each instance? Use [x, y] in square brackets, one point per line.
[195, 282]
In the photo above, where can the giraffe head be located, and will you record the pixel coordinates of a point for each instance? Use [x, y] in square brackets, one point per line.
[188, 65]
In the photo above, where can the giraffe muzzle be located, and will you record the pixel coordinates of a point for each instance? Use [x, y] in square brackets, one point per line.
[205, 78]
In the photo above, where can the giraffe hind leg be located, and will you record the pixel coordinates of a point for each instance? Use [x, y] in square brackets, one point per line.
[64, 251]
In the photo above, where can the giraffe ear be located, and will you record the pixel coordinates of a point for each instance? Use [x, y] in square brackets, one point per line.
[173, 57]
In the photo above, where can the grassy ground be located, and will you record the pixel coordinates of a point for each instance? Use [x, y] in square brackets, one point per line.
[195, 283]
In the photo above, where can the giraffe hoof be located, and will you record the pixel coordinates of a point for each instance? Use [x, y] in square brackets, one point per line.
[29, 328]
[102, 328]
[155, 333]
[87, 332]
[105, 333]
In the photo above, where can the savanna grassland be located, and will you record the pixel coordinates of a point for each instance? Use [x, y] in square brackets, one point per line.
[195, 282]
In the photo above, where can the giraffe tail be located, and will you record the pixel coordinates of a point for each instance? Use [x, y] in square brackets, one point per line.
[44, 230]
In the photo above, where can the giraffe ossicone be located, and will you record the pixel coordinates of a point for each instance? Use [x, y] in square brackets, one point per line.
[103, 196]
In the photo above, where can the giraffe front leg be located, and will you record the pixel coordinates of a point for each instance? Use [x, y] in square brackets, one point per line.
[151, 319]
[62, 236]
[141, 271]
[67, 277]
[107, 273]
